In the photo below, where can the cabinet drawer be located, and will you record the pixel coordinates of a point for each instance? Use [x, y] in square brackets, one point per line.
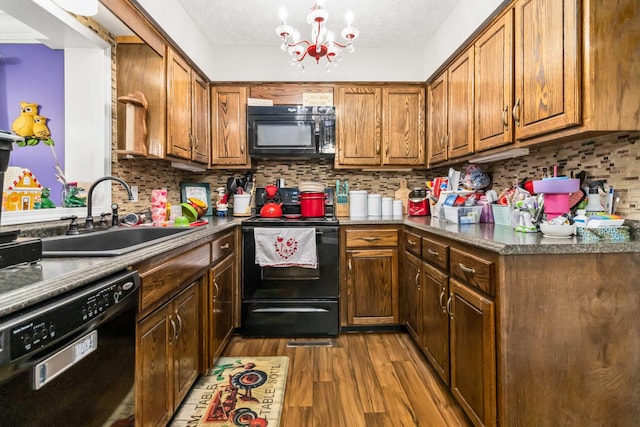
[371, 238]
[411, 243]
[435, 253]
[222, 247]
[473, 270]
[169, 276]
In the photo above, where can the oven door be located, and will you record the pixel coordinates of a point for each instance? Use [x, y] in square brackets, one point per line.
[277, 283]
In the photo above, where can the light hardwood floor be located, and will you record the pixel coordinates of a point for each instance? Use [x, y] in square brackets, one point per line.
[364, 380]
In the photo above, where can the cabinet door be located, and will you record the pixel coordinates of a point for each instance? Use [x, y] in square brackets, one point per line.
[229, 126]
[435, 320]
[373, 286]
[460, 106]
[438, 119]
[359, 124]
[221, 282]
[473, 358]
[200, 120]
[179, 138]
[547, 82]
[154, 389]
[186, 344]
[411, 300]
[494, 85]
[403, 126]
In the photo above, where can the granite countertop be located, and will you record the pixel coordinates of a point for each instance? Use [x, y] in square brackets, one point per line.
[23, 286]
[26, 285]
[501, 238]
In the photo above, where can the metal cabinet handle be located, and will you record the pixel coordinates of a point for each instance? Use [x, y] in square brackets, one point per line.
[441, 145]
[225, 246]
[466, 270]
[242, 149]
[196, 143]
[371, 239]
[417, 278]
[516, 112]
[504, 116]
[217, 291]
[449, 306]
[432, 252]
[378, 148]
[446, 140]
[411, 242]
[179, 331]
[349, 266]
[442, 307]
[174, 330]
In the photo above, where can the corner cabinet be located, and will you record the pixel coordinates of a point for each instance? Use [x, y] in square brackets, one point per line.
[188, 135]
[229, 127]
[371, 258]
[380, 126]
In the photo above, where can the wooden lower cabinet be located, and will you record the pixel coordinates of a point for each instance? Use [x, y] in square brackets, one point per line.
[473, 360]
[222, 278]
[412, 295]
[435, 320]
[167, 356]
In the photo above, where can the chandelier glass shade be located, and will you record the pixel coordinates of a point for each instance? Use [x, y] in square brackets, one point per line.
[322, 43]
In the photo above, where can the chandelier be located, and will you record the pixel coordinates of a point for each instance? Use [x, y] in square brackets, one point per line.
[322, 42]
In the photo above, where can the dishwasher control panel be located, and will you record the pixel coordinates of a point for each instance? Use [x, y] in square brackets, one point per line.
[60, 320]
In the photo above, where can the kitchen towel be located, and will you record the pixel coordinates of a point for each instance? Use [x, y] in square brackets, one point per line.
[286, 247]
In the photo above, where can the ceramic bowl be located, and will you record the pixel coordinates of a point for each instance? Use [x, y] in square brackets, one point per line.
[552, 230]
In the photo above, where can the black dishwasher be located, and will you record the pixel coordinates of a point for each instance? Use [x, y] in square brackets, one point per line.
[71, 361]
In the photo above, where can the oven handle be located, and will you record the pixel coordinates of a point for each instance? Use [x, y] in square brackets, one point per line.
[290, 310]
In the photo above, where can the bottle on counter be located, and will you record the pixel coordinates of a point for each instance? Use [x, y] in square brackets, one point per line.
[581, 218]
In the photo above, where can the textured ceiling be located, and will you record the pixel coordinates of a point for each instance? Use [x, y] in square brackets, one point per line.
[382, 23]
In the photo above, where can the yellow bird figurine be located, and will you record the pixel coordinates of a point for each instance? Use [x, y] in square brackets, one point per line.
[23, 125]
[40, 129]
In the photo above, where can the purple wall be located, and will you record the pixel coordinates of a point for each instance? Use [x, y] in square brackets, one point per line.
[34, 73]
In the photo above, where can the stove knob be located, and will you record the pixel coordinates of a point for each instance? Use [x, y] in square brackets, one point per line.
[36, 336]
[52, 330]
[26, 341]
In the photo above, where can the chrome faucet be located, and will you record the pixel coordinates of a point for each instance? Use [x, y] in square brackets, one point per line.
[89, 221]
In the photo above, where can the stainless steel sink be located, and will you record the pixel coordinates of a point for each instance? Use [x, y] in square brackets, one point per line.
[112, 242]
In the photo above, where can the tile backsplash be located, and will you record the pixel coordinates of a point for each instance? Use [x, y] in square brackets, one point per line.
[614, 158]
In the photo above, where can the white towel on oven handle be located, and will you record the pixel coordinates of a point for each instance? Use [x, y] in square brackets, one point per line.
[286, 247]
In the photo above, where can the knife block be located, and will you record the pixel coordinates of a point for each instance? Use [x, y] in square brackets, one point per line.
[342, 209]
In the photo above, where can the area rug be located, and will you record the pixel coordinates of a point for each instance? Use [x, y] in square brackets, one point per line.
[238, 391]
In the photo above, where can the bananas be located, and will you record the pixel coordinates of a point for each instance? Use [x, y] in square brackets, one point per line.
[197, 202]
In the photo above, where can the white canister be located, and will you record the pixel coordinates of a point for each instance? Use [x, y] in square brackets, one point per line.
[397, 208]
[374, 205]
[387, 207]
[358, 204]
[241, 204]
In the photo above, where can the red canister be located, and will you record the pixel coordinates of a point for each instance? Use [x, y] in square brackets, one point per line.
[312, 205]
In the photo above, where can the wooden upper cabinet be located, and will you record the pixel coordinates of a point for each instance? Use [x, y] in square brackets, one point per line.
[438, 118]
[178, 106]
[187, 111]
[494, 84]
[229, 126]
[403, 126]
[380, 126]
[460, 106]
[200, 120]
[547, 80]
[359, 124]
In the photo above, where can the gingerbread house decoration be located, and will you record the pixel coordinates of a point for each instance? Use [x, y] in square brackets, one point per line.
[21, 189]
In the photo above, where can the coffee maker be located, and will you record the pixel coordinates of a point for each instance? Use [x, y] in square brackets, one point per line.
[14, 250]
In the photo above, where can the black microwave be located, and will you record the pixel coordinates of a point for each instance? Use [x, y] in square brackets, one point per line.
[284, 131]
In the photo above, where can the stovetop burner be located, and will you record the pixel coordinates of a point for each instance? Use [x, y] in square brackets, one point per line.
[290, 199]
